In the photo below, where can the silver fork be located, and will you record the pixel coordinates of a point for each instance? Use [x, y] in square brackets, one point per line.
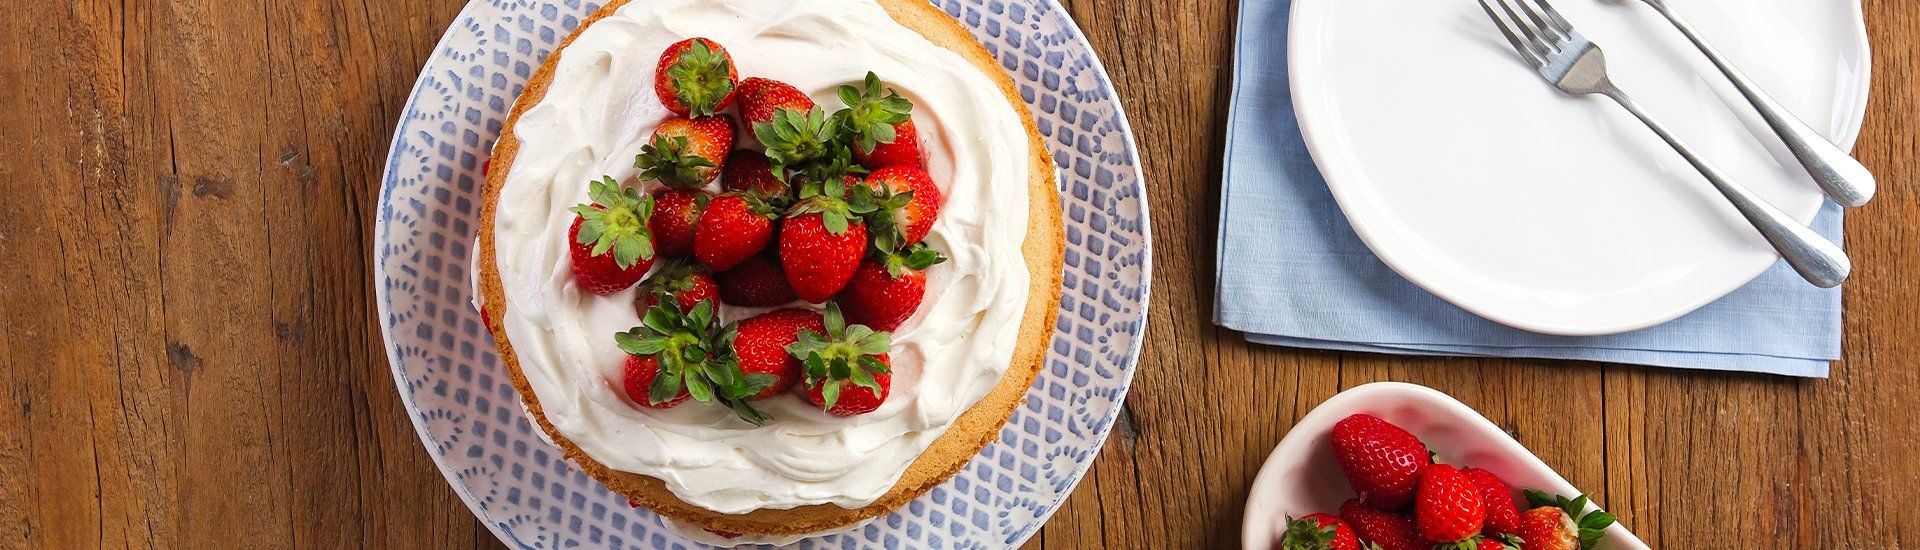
[1575, 65]
[1843, 178]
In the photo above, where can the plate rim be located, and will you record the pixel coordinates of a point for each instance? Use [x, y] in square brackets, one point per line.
[1335, 165]
[1128, 366]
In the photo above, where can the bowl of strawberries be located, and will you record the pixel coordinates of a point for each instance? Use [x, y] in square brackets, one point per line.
[1399, 466]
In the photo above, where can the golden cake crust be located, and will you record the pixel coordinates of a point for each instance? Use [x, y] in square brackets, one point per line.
[974, 429]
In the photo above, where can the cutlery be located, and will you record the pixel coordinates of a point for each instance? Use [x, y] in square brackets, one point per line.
[1839, 175]
[1577, 66]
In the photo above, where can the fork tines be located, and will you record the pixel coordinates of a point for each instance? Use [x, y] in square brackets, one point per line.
[1543, 27]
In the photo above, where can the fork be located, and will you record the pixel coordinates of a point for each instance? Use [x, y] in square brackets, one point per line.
[1577, 66]
[1843, 178]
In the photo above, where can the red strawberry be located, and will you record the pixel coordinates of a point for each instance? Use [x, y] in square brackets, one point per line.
[686, 283]
[762, 343]
[749, 171]
[678, 354]
[734, 227]
[1381, 460]
[1386, 530]
[641, 372]
[760, 98]
[1559, 523]
[686, 153]
[676, 215]
[788, 123]
[903, 151]
[823, 239]
[885, 293]
[1502, 516]
[609, 242]
[1495, 543]
[695, 78]
[1448, 508]
[1318, 532]
[756, 282]
[912, 198]
[846, 367]
[818, 261]
[878, 120]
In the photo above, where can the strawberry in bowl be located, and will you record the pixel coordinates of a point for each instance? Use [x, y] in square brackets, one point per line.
[1356, 453]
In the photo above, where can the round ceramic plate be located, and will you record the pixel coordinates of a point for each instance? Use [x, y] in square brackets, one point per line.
[519, 486]
[1472, 177]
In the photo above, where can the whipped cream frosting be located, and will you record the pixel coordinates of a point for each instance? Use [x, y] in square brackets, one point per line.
[600, 108]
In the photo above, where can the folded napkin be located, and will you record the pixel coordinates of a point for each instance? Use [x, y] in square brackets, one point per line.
[1293, 273]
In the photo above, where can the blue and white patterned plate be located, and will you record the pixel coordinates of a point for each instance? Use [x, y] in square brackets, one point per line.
[519, 486]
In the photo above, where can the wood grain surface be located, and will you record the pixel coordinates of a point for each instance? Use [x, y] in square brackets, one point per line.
[189, 355]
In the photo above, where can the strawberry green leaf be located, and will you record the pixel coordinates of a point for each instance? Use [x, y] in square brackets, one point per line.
[665, 387]
[871, 112]
[746, 411]
[670, 161]
[870, 364]
[701, 78]
[1596, 520]
[830, 394]
[698, 387]
[615, 220]
[794, 137]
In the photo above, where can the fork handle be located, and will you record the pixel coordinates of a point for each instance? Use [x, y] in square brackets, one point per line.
[1839, 175]
[1818, 260]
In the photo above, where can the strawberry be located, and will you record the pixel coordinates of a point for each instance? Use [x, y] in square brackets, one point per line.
[761, 98]
[609, 242]
[1318, 532]
[1381, 460]
[641, 373]
[1382, 530]
[912, 200]
[818, 261]
[1559, 523]
[787, 122]
[846, 367]
[1448, 508]
[695, 77]
[676, 215]
[755, 282]
[1497, 543]
[749, 171]
[688, 353]
[884, 293]
[686, 153]
[1502, 516]
[879, 126]
[686, 283]
[734, 227]
[761, 344]
[904, 150]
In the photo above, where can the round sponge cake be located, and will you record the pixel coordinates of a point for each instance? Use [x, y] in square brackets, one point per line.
[973, 430]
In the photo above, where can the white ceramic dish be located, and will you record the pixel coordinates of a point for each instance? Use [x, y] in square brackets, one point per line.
[1474, 179]
[1302, 477]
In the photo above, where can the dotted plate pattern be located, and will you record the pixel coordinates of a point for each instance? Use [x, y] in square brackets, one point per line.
[470, 419]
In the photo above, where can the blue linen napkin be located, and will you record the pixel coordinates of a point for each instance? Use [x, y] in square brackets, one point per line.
[1293, 273]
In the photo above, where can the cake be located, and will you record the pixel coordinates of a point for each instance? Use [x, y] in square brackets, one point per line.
[754, 331]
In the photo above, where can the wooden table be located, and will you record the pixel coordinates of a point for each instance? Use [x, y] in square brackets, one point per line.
[190, 355]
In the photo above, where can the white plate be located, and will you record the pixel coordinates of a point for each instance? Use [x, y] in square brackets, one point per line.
[1473, 178]
[1302, 477]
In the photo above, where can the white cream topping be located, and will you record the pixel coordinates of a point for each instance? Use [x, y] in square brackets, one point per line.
[596, 114]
